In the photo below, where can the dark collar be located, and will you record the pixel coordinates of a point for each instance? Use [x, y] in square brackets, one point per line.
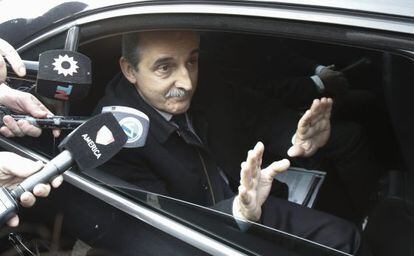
[125, 93]
[121, 92]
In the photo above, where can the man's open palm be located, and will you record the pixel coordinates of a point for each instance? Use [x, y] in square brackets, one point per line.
[255, 183]
[313, 129]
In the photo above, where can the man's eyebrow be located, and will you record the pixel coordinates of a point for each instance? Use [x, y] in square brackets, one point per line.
[167, 59]
[195, 51]
[161, 61]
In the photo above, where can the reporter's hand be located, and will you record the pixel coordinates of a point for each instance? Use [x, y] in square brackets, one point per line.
[22, 102]
[18, 101]
[314, 129]
[255, 184]
[7, 51]
[13, 170]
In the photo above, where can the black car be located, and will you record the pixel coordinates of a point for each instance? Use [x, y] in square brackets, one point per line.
[95, 213]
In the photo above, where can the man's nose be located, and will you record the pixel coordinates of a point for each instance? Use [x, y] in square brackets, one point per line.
[183, 79]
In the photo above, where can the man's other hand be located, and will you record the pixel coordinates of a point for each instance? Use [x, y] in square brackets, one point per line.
[13, 170]
[255, 184]
[313, 129]
[336, 85]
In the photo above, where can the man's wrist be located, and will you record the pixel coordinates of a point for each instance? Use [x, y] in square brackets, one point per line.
[238, 213]
[241, 221]
[236, 209]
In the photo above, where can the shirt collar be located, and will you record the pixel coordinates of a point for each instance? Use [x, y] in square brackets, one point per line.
[165, 115]
[160, 127]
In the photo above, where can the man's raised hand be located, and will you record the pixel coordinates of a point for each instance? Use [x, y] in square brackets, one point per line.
[255, 184]
[313, 129]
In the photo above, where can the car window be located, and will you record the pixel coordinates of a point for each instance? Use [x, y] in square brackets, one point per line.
[249, 63]
[53, 43]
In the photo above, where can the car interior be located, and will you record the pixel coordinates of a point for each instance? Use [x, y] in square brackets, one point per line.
[248, 54]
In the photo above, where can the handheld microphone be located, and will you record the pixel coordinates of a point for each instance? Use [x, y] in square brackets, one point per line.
[32, 68]
[134, 123]
[89, 146]
[63, 75]
[53, 122]
[60, 74]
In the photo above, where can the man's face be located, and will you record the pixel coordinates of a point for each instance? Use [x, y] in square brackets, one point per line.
[167, 69]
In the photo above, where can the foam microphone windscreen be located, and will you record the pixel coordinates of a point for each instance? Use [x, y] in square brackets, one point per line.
[134, 123]
[63, 75]
[95, 142]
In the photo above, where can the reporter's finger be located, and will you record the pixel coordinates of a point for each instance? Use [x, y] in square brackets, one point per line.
[27, 199]
[41, 190]
[56, 133]
[6, 132]
[32, 106]
[13, 222]
[13, 57]
[56, 182]
[3, 70]
[29, 129]
[19, 166]
[13, 126]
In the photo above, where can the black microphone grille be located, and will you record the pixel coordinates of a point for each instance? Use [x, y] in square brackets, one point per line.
[95, 141]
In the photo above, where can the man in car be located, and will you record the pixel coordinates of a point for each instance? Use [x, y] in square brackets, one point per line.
[14, 168]
[159, 77]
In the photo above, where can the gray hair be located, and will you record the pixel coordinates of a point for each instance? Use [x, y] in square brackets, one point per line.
[130, 49]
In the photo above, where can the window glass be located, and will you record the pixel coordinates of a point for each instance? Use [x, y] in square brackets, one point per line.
[246, 80]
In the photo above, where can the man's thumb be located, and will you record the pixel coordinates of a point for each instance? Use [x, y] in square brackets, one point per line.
[295, 151]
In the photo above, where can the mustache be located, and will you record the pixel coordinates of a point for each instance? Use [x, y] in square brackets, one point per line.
[176, 93]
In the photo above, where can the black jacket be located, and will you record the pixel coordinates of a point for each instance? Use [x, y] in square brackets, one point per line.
[169, 165]
[166, 164]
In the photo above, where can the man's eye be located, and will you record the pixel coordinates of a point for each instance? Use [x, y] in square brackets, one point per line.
[192, 62]
[163, 68]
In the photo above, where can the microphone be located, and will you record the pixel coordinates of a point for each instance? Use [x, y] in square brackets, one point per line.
[60, 74]
[53, 122]
[90, 145]
[63, 75]
[32, 68]
[134, 123]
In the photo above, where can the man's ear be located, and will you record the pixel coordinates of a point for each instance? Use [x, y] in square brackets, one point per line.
[128, 70]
